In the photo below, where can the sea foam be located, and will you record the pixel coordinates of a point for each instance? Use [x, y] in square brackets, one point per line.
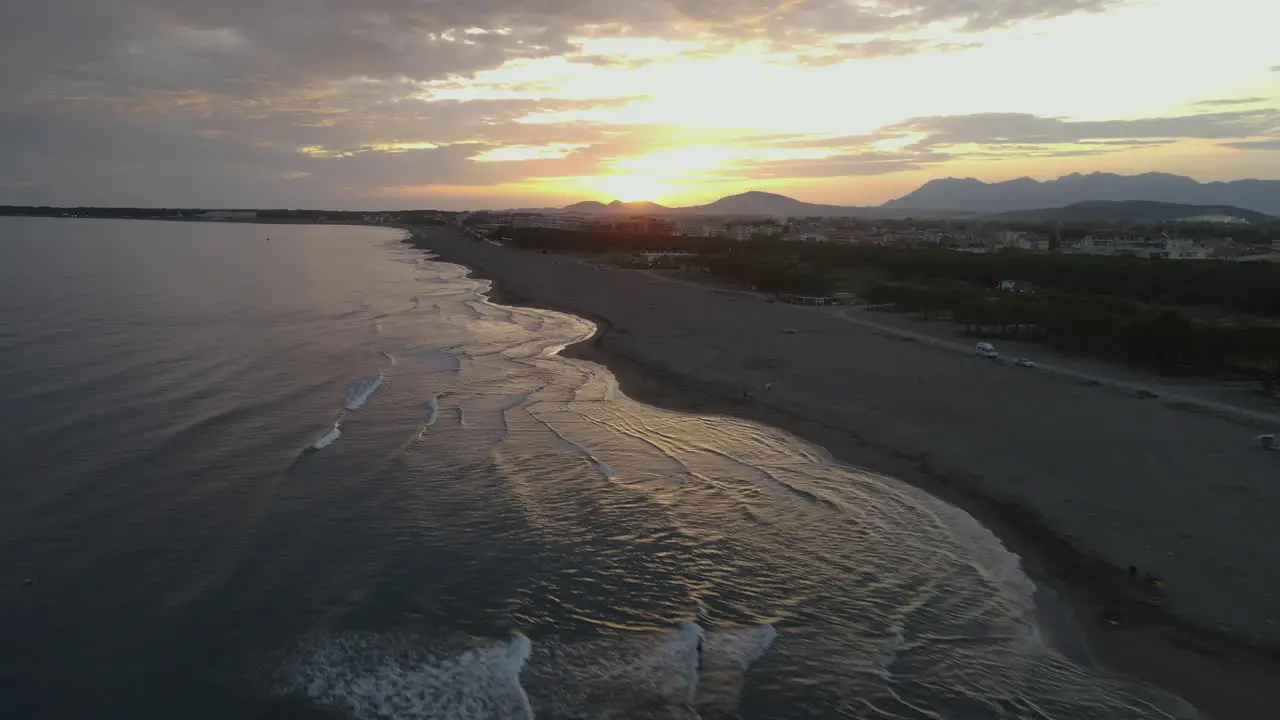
[327, 438]
[370, 676]
[618, 675]
[360, 391]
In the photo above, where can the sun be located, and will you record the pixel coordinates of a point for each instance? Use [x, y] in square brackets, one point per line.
[630, 187]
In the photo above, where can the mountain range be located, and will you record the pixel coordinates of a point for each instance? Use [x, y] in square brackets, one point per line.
[1142, 211]
[967, 196]
[975, 196]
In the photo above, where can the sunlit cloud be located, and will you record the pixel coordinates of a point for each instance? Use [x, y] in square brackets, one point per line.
[505, 103]
[517, 153]
[398, 147]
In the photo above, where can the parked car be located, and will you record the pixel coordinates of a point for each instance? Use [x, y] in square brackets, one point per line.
[1023, 362]
[986, 350]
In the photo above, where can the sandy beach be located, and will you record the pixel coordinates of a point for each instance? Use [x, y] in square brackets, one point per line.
[1080, 480]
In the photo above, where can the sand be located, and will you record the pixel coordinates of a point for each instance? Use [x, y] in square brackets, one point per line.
[1080, 480]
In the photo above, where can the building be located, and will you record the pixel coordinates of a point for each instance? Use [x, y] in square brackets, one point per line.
[644, 226]
[1019, 240]
[699, 230]
[810, 236]
[741, 231]
[1143, 246]
[225, 215]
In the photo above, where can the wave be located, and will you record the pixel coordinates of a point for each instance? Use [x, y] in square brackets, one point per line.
[438, 358]
[433, 409]
[626, 675]
[727, 655]
[325, 440]
[629, 675]
[374, 677]
[595, 463]
[360, 391]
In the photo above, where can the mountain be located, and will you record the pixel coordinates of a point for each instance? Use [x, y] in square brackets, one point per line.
[1138, 211]
[970, 195]
[617, 207]
[770, 204]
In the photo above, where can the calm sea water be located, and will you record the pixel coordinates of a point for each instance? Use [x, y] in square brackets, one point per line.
[321, 476]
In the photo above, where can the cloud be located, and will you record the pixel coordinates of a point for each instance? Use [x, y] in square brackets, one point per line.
[242, 45]
[310, 102]
[850, 164]
[1232, 101]
[1269, 144]
[1020, 128]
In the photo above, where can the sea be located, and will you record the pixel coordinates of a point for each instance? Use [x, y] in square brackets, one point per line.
[266, 471]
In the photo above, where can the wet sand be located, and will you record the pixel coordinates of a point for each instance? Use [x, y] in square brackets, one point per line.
[1079, 480]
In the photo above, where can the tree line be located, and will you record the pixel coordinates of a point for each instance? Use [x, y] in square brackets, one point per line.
[1160, 337]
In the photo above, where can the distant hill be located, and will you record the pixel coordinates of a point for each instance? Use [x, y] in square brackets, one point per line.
[748, 204]
[1139, 211]
[970, 195]
[771, 204]
[617, 207]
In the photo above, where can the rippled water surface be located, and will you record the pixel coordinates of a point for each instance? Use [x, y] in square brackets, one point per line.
[321, 476]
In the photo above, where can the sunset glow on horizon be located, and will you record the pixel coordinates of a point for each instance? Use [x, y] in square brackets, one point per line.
[835, 101]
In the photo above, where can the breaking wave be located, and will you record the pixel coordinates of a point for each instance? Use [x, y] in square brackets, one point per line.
[638, 675]
[360, 391]
[433, 410]
[327, 438]
[375, 677]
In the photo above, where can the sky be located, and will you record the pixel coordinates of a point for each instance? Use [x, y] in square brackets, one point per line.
[455, 104]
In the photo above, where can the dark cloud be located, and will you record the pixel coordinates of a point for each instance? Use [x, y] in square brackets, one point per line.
[243, 44]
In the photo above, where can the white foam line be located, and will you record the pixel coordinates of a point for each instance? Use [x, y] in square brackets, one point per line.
[327, 438]
[884, 663]
[625, 429]
[596, 464]
[433, 409]
[360, 391]
[376, 677]
[368, 676]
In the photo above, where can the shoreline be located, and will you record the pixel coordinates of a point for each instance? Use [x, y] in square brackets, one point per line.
[1123, 628]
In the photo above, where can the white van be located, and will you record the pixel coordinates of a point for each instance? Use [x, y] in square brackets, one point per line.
[986, 350]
